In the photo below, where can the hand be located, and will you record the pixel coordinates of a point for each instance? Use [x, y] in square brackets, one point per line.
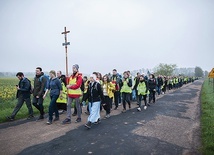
[61, 97]
[37, 96]
[68, 86]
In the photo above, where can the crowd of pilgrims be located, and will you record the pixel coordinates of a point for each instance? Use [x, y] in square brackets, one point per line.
[112, 90]
[96, 92]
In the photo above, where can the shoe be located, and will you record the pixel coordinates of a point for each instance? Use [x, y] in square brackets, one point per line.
[124, 110]
[115, 108]
[10, 118]
[139, 109]
[74, 114]
[145, 107]
[98, 121]
[49, 122]
[130, 106]
[119, 104]
[78, 120]
[87, 113]
[30, 117]
[107, 116]
[148, 104]
[88, 125]
[56, 119]
[66, 121]
[41, 117]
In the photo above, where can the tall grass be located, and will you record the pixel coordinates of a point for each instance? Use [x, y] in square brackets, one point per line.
[207, 118]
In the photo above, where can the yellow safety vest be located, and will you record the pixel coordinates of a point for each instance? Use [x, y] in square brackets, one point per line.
[125, 88]
[72, 81]
[141, 88]
[64, 95]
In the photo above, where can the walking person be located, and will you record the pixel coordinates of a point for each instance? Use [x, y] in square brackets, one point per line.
[39, 91]
[152, 84]
[159, 84]
[23, 95]
[126, 90]
[136, 82]
[55, 88]
[107, 88]
[94, 96]
[74, 94]
[142, 89]
[115, 79]
[61, 102]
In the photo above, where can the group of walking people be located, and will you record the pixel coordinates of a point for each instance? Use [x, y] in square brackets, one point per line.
[99, 92]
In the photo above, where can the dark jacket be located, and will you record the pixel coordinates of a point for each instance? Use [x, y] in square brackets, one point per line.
[94, 92]
[160, 81]
[136, 79]
[24, 91]
[152, 84]
[54, 86]
[39, 85]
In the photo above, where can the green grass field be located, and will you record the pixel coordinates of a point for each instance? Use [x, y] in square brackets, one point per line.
[207, 118]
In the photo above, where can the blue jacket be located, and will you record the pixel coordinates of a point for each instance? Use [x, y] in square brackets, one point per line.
[54, 86]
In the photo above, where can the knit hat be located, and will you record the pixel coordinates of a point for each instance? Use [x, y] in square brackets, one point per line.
[53, 72]
[76, 66]
[93, 76]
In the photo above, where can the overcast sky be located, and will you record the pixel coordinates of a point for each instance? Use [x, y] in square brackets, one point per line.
[106, 34]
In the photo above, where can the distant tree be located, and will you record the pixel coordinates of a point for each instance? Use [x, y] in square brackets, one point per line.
[165, 69]
[199, 72]
[206, 73]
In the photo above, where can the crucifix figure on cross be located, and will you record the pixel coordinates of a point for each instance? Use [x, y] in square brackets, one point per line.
[66, 52]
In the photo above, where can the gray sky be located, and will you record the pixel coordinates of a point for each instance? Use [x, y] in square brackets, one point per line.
[106, 34]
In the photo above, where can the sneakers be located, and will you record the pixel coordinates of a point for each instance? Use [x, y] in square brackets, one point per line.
[88, 125]
[115, 108]
[78, 120]
[41, 117]
[139, 109]
[30, 117]
[56, 119]
[87, 113]
[124, 110]
[148, 104]
[74, 114]
[98, 121]
[107, 116]
[10, 118]
[49, 122]
[145, 107]
[66, 121]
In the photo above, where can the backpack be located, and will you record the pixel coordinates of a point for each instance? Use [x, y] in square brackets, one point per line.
[31, 87]
[47, 81]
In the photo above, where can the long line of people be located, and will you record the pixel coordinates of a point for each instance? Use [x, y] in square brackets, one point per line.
[97, 92]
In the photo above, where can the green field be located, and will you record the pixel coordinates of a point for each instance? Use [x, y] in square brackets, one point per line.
[207, 118]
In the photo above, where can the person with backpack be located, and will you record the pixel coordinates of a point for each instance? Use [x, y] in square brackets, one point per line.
[74, 93]
[55, 88]
[23, 95]
[95, 97]
[40, 85]
[115, 79]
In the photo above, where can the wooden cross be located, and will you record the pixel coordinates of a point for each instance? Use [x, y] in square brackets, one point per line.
[66, 52]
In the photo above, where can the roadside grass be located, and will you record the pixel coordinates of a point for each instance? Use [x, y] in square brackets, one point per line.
[8, 106]
[207, 118]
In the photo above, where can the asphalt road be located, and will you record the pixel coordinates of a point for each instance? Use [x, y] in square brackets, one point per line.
[171, 126]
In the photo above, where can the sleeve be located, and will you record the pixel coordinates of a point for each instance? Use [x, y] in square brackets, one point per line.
[100, 91]
[59, 85]
[130, 83]
[25, 86]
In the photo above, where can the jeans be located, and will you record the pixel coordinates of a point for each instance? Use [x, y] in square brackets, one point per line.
[144, 98]
[159, 90]
[152, 95]
[107, 105]
[38, 103]
[53, 107]
[21, 101]
[94, 109]
[77, 105]
[116, 98]
[126, 98]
